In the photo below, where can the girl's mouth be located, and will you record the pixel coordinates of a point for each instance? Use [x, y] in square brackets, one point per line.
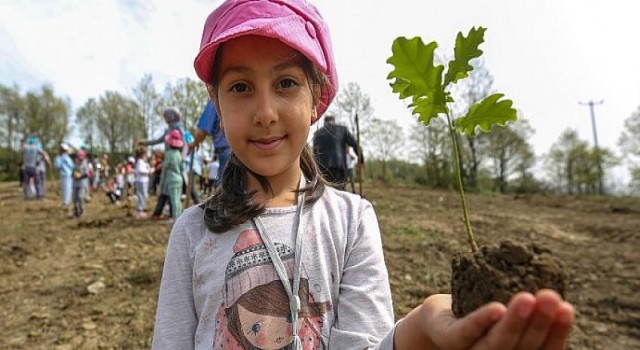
[268, 144]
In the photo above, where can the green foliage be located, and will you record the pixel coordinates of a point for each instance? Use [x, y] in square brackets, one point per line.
[415, 76]
[485, 114]
[466, 49]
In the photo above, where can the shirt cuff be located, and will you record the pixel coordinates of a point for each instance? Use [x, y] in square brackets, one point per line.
[387, 341]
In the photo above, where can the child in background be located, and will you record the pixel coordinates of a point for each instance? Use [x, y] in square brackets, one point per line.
[65, 165]
[156, 174]
[142, 171]
[278, 260]
[80, 182]
[130, 175]
[171, 184]
[119, 176]
[105, 170]
[113, 191]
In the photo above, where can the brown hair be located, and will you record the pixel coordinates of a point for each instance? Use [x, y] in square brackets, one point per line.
[141, 151]
[232, 205]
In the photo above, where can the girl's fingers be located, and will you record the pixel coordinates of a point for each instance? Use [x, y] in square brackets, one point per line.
[475, 325]
[506, 333]
[559, 331]
[449, 332]
[547, 305]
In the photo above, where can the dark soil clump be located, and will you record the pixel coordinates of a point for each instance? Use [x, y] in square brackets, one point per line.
[498, 272]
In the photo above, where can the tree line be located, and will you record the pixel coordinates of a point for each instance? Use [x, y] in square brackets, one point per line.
[502, 161]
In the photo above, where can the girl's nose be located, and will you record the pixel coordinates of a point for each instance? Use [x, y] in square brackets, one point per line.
[266, 110]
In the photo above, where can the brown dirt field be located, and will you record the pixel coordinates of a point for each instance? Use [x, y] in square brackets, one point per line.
[91, 283]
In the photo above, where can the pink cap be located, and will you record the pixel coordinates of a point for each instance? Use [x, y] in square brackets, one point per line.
[81, 154]
[296, 23]
[174, 139]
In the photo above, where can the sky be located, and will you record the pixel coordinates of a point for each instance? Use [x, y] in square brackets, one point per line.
[546, 55]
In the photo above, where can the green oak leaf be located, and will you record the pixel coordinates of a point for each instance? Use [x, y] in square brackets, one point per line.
[426, 110]
[417, 77]
[466, 49]
[484, 114]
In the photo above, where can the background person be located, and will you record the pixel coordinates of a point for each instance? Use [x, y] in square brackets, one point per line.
[329, 144]
[142, 171]
[32, 154]
[64, 165]
[80, 182]
[171, 183]
[351, 159]
[209, 124]
[173, 119]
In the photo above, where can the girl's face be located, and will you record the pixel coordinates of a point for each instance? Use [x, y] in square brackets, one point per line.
[266, 106]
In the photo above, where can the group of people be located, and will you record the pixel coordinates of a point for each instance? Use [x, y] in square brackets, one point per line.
[164, 174]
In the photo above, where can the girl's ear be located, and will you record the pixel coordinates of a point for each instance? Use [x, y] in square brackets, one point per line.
[314, 114]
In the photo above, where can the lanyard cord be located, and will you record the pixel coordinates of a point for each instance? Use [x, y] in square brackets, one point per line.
[294, 299]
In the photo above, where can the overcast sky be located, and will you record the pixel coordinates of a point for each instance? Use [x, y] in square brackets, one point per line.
[545, 55]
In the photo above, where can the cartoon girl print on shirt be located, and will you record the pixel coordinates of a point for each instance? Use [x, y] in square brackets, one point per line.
[255, 312]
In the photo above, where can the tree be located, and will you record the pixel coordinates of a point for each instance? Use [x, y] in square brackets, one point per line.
[190, 97]
[47, 116]
[148, 101]
[11, 110]
[629, 143]
[579, 163]
[432, 145]
[87, 117]
[117, 121]
[349, 102]
[565, 153]
[384, 138]
[509, 151]
[468, 92]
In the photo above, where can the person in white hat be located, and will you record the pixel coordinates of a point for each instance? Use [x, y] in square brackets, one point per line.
[64, 164]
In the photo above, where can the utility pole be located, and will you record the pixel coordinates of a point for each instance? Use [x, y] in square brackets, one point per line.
[595, 140]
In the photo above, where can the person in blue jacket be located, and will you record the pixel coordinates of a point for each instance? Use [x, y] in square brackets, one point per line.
[209, 125]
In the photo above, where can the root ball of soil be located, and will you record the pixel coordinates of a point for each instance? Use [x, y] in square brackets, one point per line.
[497, 272]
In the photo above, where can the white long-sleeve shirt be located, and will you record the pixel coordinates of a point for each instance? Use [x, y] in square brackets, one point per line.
[142, 171]
[208, 291]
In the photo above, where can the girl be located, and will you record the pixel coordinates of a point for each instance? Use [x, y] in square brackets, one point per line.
[171, 183]
[80, 180]
[269, 69]
[142, 171]
[113, 191]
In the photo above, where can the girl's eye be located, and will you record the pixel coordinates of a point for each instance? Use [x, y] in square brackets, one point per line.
[287, 83]
[239, 88]
[255, 328]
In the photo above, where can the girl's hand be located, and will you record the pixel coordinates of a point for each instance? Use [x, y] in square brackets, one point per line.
[542, 321]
